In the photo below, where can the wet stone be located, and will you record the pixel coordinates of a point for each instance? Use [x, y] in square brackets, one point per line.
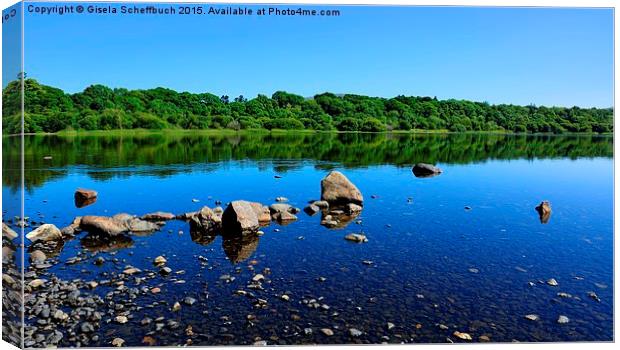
[563, 319]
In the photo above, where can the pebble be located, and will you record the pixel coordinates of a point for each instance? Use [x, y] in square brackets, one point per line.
[118, 342]
[463, 336]
[473, 270]
[532, 317]
[354, 332]
[176, 306]
[131, 271]
[552, 282]
[258, 277]
[593, 296]
[285, 297]
[563, 319]
[165, 271]
[326, 331]
[260, 342]
[36, 283]
[121, 319]
[390, 325]
[86, 327]
[159, 261]
[356, 237]
[189, 301]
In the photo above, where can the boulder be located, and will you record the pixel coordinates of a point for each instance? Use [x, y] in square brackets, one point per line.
[336, 188]
[158, 216]
[351, 209]
[110, 226]
[262, 213]
[284, 216]
[186, 216]
[45, 232]
[72, 228]
[136, 225]
[8, 232]
[37, 257]
[240, 217]
[280, 208]
[84, 197]
[324, 205]
[206, 221]
[544, 211]
[312, 209]
[425, 170]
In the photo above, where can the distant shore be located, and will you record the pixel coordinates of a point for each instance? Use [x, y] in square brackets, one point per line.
[282, 131]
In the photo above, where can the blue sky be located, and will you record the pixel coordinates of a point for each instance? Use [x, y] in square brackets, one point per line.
[544, 56]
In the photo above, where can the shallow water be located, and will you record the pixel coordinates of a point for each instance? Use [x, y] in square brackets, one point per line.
[431, 267]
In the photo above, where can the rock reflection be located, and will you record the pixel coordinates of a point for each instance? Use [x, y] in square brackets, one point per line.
[83, 202]
[239, 248]
[337, 218]
[199, 235]
[50, 248]
[101, 243]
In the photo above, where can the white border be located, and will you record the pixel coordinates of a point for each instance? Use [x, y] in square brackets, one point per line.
[508, 3]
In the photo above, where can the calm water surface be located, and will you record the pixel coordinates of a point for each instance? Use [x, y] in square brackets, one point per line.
[430, 267]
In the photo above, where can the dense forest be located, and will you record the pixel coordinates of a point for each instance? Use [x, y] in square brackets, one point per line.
[98, 107]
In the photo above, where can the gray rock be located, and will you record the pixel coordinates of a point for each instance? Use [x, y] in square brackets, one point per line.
[312, 209]
[37, 257]
[87, 327]
[354, 332]
[425, 170]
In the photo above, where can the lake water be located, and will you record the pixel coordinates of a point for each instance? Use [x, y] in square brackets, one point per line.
[430, 267]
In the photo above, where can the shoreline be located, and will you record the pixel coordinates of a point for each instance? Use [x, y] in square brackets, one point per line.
[135, 132]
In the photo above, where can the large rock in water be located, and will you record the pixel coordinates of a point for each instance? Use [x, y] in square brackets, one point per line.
[240, 217]
[84, 197]
[425, 170]
[104, 224]
[46, 232]
[158, 216]
[205, 221]
[336, 188]
[116, 225]
[544, 211]
[262, 213]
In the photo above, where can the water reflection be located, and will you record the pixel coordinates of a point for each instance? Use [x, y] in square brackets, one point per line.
[162, 154]
[96, 243]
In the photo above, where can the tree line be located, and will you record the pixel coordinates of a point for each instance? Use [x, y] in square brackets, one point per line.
[49, 109]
